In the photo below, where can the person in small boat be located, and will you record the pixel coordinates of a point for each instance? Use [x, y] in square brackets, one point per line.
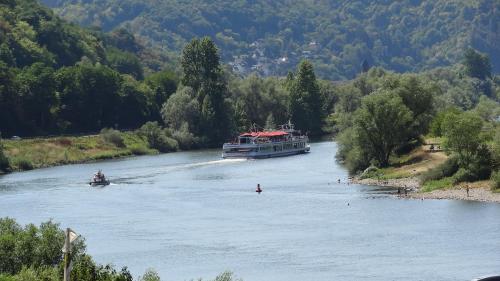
[258, 190]
[99, 176]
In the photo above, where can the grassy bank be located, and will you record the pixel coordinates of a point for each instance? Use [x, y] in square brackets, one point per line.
[425, 170]
[35, 153]
[413, 164]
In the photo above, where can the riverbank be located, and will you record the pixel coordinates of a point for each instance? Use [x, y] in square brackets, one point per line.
[407, 174]
[28, 154]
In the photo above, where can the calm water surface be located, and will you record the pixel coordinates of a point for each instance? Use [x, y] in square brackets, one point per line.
[191, 215]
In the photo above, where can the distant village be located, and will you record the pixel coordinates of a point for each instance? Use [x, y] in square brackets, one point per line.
[256, 61]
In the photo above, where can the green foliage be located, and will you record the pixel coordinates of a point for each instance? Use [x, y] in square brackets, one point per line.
[150, 275]
[182, 107]
[30, 246]
[437, 184]
[254, 98]
[444, 170]
[488, 109]
[338, 36]
[138, 150]
[202, 72]
[226, 276]
[495, 178]
[462, 134]
[112, 136]
[382, 123]
[33, 253]
[57, 77]
[125, 62]
[436, 124]
[157, 137]
[22, 163]
[305, 100]
[476, 64]
[184, 137]
[4, 160]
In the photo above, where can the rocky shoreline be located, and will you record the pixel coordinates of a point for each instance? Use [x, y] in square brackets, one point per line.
[479, 191]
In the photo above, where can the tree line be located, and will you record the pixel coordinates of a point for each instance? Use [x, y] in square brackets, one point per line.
[381, 115]
[84, 85]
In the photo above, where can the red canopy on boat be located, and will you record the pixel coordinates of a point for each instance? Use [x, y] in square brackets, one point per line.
[265, 134]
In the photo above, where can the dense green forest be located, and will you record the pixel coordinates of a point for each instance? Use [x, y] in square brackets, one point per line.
[271, 37]
[57, 77]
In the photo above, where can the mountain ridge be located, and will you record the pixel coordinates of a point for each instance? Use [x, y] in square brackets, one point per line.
[270, 38]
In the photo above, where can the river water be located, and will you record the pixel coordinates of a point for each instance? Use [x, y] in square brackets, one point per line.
[190, 215]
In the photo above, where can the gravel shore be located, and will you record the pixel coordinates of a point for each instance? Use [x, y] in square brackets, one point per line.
[479, 191]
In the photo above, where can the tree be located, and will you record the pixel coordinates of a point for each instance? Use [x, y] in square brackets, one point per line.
[134, 107]
[202, 72]
[463, 135]
[200, 64]
[125, 62]
[150, 275]
[89, 96]
[37, 90]
[181, 107]
[419, 101]
[477, 65]
[157, 137]
[163, 83]
[305, 100]
[382, 123]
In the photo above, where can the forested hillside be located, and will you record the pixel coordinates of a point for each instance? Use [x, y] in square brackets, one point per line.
[271, 37]
[57, 77]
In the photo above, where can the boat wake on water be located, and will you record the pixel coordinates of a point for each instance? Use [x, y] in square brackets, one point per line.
[172, 168]
[213, 162]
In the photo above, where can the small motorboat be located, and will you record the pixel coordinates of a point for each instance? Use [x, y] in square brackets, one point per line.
[99, 180]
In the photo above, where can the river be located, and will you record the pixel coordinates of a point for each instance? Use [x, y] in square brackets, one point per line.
[191, 214]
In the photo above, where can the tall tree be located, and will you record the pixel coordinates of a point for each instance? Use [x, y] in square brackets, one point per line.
[419, 100]
[462, 134]
[305, 99]
[202, 72]
[382, 123]
[477, 65]
[38, 93]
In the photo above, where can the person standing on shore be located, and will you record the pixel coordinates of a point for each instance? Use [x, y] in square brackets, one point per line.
[467, 189]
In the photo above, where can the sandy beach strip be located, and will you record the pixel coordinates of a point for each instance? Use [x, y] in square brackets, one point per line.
[478, 191]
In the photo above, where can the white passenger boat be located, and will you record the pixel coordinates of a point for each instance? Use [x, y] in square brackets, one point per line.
[266, 144]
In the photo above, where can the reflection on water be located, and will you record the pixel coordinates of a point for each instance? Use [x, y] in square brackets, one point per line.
[192, 215]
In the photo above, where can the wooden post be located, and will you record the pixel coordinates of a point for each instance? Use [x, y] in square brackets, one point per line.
[67, 255]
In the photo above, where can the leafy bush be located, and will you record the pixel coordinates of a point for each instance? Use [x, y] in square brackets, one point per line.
[495, 178]
[23, 164]
[138, 150]
[463, 175]
[4, 161]
[370, 172]
[185, 138]
[157, 137]
[112, 136]
[150, 275]
[447, 169]
[166, 144]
